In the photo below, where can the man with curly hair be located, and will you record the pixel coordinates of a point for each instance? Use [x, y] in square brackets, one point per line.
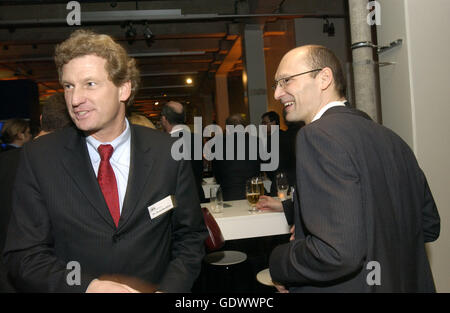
[107, 195]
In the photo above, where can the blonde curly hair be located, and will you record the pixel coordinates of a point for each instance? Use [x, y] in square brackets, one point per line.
[120, 67]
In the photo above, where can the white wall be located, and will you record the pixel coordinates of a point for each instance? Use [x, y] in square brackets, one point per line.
[415, 96]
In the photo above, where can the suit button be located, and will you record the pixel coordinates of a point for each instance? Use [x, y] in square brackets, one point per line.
[115, 238]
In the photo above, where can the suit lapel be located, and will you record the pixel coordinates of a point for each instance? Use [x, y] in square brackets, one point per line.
[141, 161]
[78, 165]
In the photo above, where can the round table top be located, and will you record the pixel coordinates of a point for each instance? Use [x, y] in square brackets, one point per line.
[225, 258]
[264, 277]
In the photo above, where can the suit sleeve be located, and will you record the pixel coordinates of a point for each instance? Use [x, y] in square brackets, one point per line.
[29, 253]
[430, 217]
[333, 243]
[188, 235]
[288, 208]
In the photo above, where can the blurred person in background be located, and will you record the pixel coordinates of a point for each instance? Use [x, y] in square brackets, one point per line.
[139, 119]
[54, 116]
[232, 174]
[173, 118]
[15, 133]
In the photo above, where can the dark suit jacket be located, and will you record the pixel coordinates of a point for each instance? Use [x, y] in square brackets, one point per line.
[362, 198]
[7, 147]
[197, 165]
[286, 163]
[60, 215]
[232, 174]
[9, 160]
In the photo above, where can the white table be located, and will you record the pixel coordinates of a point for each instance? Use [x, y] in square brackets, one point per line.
[237, 223]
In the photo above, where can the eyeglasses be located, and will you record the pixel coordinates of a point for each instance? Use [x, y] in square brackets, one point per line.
[282, 82]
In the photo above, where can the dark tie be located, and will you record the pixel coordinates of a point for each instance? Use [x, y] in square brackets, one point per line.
[107, 181]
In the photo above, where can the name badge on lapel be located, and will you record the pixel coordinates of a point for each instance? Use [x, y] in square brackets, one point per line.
[162, 206]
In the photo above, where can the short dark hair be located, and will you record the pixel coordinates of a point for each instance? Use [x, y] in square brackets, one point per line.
[235, 119]
[321, 57]
[272, 116]
[54, 113]
[12, 128]
[173, 117]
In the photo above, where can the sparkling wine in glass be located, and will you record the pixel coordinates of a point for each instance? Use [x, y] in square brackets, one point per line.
[282, 185]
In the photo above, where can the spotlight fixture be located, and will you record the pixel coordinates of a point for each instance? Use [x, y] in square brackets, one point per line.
[189, 81]
[148, 35]
[130, 34]
[328, 28]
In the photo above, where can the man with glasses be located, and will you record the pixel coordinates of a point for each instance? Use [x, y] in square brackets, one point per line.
[363, 208]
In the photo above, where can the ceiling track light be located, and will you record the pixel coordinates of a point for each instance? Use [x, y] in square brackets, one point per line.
[148, 35]
[130, 34]
[328, 28]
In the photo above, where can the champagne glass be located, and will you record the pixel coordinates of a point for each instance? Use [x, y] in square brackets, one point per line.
[216, 199]
[282, 185]
[252, 192]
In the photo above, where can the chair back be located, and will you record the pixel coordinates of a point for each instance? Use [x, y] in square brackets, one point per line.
[215, 240]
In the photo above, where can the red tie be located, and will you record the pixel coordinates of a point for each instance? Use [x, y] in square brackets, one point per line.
[107, 181]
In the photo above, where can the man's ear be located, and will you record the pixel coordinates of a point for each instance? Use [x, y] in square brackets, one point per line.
[125, 91]
[326, 78]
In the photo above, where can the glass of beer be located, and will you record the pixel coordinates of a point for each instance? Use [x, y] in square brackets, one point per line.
[252, 192]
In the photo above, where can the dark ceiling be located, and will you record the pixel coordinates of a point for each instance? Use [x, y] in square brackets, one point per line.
[173, 41]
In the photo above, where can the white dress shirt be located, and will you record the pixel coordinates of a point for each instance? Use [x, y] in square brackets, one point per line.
[325, 108]
[120, 159]
[179, 127]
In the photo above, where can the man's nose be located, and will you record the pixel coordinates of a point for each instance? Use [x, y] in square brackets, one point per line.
[278, 93]
[77, 96]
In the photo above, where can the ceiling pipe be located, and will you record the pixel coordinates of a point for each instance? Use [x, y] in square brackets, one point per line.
[151, 15]
[166, 87]
[133, 55]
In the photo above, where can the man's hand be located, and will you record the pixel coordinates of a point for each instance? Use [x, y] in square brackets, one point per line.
[292, 231]
[106, 286]
[130, 282]
[269, 204]
[280, 288]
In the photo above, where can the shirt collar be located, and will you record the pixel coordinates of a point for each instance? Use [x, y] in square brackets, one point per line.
[177, 128]
[117, 143]
[326, 107]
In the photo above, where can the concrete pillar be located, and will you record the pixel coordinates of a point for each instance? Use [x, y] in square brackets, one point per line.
[256, 72]
[222, 106]
[207, 109]
[366, 93]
